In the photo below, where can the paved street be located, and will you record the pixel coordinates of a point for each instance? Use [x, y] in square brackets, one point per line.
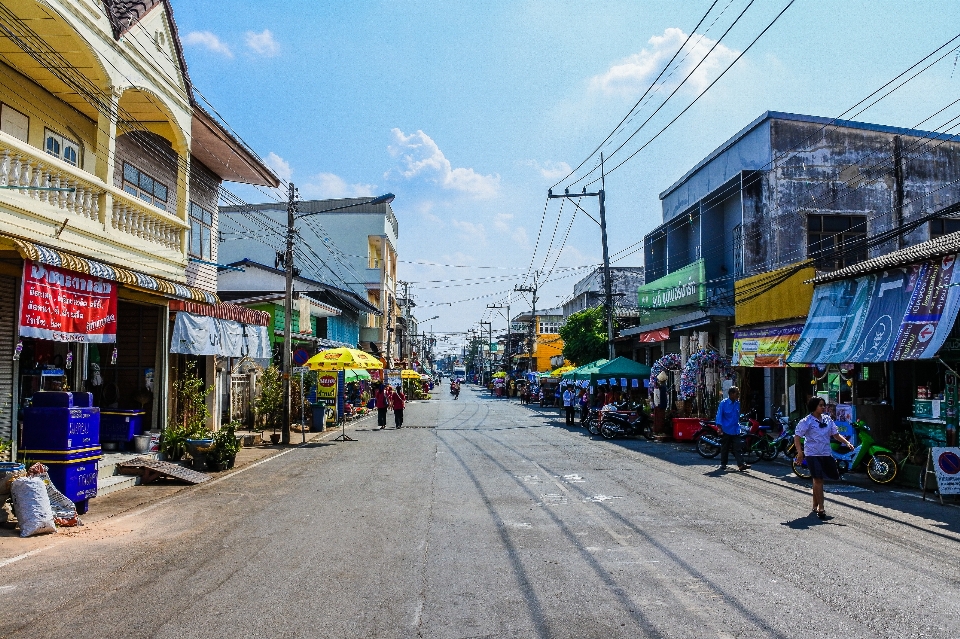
[488, 519]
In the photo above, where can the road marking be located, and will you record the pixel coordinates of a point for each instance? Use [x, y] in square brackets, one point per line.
[37, 551]
[165, 500]
[573, 479]
[599, 499]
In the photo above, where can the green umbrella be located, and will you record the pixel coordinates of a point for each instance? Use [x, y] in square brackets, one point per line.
[584, 372]
[356, 374]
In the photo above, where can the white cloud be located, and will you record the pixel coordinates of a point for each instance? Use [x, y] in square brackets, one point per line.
[420, 155]
[263, 43]
[279, 166]
[330, 185]
[633, 75]
[470, 232]
[550, 170]
[210, 41]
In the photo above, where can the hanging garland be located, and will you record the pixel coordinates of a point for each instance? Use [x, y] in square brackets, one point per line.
[694, 369]
[669, 362]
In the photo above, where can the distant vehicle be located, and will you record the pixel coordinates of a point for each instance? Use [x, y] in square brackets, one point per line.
[460, 372]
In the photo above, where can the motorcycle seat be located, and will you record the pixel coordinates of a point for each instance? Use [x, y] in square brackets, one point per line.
[762, 427]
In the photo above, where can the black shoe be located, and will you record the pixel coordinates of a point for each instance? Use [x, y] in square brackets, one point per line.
[723, 468]
[743, 467]
[822, 514]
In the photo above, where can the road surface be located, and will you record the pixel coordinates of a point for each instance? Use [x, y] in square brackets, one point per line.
[484, 518]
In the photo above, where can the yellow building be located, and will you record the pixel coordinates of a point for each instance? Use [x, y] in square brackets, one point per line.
[547, 341]
[110, 171]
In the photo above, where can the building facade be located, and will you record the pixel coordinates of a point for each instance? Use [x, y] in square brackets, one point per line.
[105, 160]
[788, 196]
[357, 246]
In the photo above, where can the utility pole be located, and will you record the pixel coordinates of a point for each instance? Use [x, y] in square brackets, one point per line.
[607, 283]
[509, 330]
[406, 317]
[533, 320]
[288, 313]
[489, 352]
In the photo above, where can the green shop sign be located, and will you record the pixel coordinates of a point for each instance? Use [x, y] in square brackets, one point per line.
[682, 291]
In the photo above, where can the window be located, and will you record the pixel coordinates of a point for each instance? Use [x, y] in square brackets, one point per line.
[61, 147]
[14, 122]
[944, 226]
[836, 241]
[201, 232]
[550, 327]
[141, 185]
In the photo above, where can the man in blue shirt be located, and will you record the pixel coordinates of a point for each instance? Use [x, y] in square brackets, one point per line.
[728, 418]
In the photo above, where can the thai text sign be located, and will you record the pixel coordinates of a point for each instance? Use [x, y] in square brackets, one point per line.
[764, 347]
[903, 313]
[946, 464]
[684, 290]
[66, 306]
[326, 384]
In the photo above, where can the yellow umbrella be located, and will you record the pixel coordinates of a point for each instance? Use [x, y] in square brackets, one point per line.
[560, 371]
[340, 358]
[499, 374]
[409, 374]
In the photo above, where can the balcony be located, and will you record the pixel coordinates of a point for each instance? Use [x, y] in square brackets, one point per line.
[110, 222]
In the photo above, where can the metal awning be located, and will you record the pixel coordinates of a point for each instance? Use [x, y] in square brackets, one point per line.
[52, 257]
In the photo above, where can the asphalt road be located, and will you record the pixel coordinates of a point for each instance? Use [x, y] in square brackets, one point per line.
[483, 518]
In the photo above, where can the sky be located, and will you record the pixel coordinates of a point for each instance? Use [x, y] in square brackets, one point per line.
[470, 111]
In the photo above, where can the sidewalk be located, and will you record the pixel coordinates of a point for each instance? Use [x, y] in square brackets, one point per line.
[123, 501]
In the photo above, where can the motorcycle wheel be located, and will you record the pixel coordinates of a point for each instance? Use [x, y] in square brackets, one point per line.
[706, 449]
[607, 432]
[769, 451]
[593, 427]
[801, 471]
[752, 449]
[882, 468]
[647, 432]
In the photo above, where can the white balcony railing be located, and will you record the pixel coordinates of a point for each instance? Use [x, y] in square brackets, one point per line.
[31, 169]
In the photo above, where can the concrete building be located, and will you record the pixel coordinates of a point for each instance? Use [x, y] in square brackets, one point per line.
[589, 291]
[546, 339]
[785, 189]
[358, 247]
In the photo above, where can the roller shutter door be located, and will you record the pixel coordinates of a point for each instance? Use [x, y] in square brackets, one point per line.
[8, 310]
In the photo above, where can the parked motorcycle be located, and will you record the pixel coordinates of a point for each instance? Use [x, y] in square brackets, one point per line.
[880, 465]
[592, 421]
[616, 424]
[707, 439]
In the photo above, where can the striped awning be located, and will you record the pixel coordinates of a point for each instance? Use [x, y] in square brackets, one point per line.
[53, 257]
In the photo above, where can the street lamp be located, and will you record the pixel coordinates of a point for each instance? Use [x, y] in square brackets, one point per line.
[292, 217]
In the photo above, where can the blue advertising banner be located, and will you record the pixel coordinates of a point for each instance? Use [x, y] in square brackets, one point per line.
[903, 313]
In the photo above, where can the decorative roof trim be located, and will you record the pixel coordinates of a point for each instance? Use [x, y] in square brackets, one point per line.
[134, 279]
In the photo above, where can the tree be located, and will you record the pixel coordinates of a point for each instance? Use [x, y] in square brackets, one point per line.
[585, 336]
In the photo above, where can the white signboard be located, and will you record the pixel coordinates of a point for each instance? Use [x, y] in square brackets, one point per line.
[300, 370]
[946, 463]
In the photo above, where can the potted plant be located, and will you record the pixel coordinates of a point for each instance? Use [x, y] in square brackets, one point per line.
[270, 403]
[224, 448]
[187, 430]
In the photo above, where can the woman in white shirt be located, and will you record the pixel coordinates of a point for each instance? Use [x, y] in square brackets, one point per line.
[812, 439]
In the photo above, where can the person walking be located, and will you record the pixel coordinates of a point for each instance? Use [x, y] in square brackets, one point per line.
[380, 403]
[812, 439]
[568, 399]
[399, 401]
[728, 417]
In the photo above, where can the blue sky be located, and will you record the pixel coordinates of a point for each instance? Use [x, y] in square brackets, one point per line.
[468, 112]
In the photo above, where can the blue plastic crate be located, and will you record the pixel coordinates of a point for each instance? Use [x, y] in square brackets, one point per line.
[60, 429]
[76, 479]
[121, 425]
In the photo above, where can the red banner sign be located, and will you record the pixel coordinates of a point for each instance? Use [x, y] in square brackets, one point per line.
[660, 335]
[66, 306]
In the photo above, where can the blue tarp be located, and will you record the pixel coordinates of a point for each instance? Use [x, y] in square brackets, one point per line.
[903, 313]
